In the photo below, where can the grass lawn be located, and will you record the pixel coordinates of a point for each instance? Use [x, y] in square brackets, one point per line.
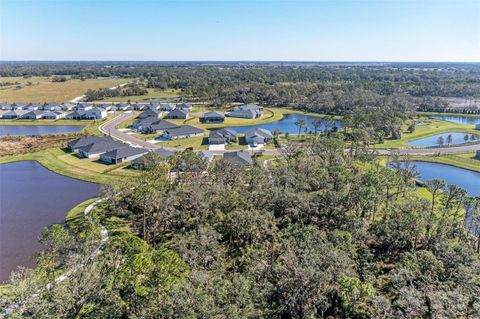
[197, 142]
[66, 163]
[76, 215]
[448, 114]
[152, 93]
[432, 127]
[42, 89]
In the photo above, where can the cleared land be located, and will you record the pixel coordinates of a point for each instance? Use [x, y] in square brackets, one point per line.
[42, 89]
[152, 93]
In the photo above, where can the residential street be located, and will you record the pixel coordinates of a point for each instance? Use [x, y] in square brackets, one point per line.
[109, 129]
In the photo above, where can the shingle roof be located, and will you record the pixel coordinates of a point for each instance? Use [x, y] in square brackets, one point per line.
[240, 157]
[177, 112]
[164, 152]
[258, 132]
[125, 151]
[86, 140]
[162, 125]
[100, 147]
[213, 115]
[183, 130]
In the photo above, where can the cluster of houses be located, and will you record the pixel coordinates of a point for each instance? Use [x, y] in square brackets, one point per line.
[245, 111]
[150, 121]
[84, 111]
[110, 151]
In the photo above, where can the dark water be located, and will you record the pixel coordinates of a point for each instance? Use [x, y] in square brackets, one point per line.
[38, 129]
[287, 124]
[457, 138]
[31, 198]
[468, 120]
[464, 178]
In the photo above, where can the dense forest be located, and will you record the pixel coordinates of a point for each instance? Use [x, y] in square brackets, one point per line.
[321, 233]
[327, 88]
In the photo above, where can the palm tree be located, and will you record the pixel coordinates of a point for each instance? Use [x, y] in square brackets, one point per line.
[301, 124]
[317, 124]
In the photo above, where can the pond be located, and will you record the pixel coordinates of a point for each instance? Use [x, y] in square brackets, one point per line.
[464, 178]
[457, 138]
[467, 120]
[38, 129]
[287, 124]
[32, 197]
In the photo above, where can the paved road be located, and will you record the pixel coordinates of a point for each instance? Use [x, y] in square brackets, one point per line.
[109, 128]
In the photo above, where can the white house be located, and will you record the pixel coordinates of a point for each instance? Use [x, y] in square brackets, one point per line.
[96, 113]
[33, 115]
[247, 111]
[53, 115]
[258, 136]
[183, 131]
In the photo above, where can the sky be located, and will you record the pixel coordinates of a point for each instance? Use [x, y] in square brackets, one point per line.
[241, 30]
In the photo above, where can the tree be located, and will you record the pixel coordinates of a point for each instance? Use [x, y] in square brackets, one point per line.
[440, 140]
[301, 123]
[449, 139]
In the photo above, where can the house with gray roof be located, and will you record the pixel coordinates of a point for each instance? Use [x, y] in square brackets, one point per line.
[258, 136]
[76, 115]
[183, 131]
[212, 117]
[247, 111]
[53, 115]
[14, 114]
[33, 115]
[222, 136]
[159, 127]
[96, 113]
[240, 158]
[122, 154]
[167, 107]
[150, 113]
[177, 114]
[87, 140]
[98, 148]
[184, 106]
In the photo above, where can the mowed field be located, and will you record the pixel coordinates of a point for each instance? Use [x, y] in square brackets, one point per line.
[152, 93]
[42, 89]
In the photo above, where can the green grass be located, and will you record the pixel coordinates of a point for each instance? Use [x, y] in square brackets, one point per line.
[197, 142]
[432, 127]
[68, 164]
[152, 93]
[44, 90]
[448, 114]
[76, 215]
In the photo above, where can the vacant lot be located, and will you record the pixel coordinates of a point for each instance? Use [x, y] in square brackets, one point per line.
[152, 93]
[42, 89]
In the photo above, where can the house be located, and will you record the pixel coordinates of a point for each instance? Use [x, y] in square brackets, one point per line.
[95, 113]
[154, 106]
[240, 158]
[5, 107]
[53, 115]
[212, 117]
[19, 106]
[247, 111]
[84, 106]
[66, 107]
[124, 107]
[87, 140]
[182, 131]
[177, 114]
[33, 115]
[33, 107]
[138, 107]
[97, 148]
[14, 114]
[138, 124]
[76, 115]
[150, 113]
[184, 107]
[159, 127]
[122, 154]
[477, 127]
[167, 107]
[222, 136]
[150, 159]
[258, 136]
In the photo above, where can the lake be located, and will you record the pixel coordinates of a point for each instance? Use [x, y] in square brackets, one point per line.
[38, 129]
[457, 138]
[286, 124]
[467, 120]
[31, 198]
[464, 178]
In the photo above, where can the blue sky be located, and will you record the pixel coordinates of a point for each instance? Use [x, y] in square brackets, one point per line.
[287, 30]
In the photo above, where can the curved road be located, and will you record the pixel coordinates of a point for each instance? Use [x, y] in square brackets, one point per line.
[109, 128]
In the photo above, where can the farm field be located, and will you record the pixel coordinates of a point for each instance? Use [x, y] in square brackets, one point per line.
[42, 89]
